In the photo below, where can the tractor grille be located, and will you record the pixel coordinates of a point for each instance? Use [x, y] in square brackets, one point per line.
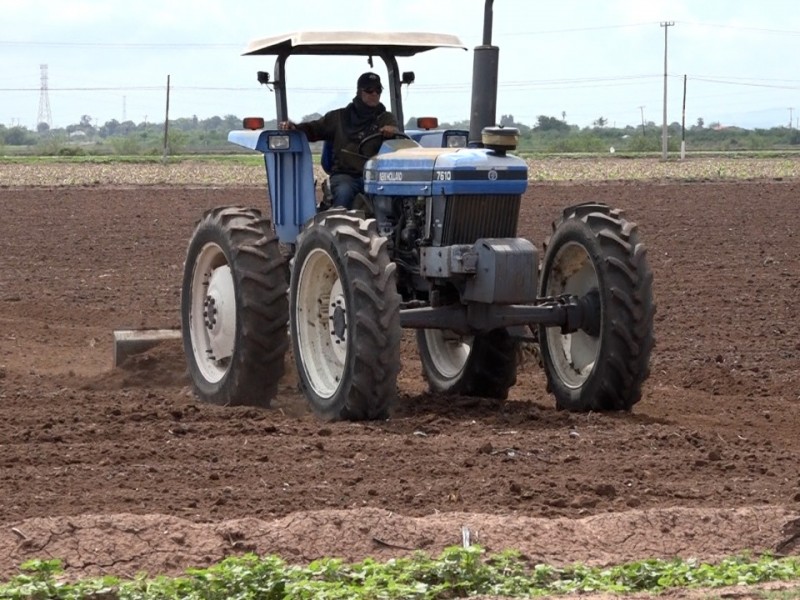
[467, 218]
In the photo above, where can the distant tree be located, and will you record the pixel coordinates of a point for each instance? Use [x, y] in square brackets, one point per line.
[700, 122]
[212, 124]
[43, 127]
[176, 141]
[19, 136]
[86, 124]
[457, 125]
[109, 129]
[545, 123]
[509, 121]
[600, 122]
[232, 122]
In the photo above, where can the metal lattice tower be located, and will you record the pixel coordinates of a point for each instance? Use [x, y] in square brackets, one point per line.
[45, 116]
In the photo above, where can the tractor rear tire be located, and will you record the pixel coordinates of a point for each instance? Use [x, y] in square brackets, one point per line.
[484, 365]
[595, 252]
[345, 317]
[234, 310]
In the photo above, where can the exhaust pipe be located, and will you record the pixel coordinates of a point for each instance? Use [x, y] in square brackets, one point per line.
[484, 81]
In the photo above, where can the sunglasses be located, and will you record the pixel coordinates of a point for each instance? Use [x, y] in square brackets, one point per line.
[371, 90]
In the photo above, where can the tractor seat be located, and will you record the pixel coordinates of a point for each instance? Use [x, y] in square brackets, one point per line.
[326, 160]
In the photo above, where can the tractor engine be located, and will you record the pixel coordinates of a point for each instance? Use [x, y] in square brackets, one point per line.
[436, 204]
[402, 220]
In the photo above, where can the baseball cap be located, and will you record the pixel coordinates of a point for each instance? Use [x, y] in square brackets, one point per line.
[369, 81]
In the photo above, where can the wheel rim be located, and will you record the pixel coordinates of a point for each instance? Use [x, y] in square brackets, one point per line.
[321, 323]
[448, 350]
[574, 354]
[212, 324]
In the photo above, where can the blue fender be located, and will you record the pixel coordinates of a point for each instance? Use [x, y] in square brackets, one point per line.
[290, 176]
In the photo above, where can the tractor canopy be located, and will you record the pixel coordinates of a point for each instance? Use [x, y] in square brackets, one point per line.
[386, 46]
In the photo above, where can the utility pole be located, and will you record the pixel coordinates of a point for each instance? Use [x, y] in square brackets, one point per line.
[666, 25]
[683, 121]
[166, 126]
[641, 110]
[790, 117]
[45, 116]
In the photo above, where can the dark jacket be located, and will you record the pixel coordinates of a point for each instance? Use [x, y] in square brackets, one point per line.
[345, 128]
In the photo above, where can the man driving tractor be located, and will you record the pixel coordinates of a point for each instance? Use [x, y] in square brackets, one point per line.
[346, 128]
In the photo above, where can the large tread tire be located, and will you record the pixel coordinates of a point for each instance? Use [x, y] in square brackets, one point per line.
[484, 365]
[235, 349]
[593, 248]
[345, 317]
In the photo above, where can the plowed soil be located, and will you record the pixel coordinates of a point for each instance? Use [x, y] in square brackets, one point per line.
[122, 470]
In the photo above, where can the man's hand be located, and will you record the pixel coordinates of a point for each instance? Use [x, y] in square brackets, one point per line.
[389, 131]
[286, 125]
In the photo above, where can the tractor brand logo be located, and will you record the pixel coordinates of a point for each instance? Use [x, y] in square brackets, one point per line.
[391, 176]
[492, 175]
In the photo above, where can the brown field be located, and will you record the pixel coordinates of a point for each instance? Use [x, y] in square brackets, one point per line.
[123, 470]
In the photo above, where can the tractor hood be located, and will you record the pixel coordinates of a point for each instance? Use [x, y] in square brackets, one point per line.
[417, 171]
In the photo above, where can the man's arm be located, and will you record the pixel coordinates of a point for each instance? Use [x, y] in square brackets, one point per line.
[388, 125]
[315, 131]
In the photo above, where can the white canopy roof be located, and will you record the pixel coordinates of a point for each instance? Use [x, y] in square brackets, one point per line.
[353, 42]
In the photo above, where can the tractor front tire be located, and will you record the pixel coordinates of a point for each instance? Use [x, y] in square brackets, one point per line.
[595, 253]
[345, 317]
[483, 365]
[234, 310]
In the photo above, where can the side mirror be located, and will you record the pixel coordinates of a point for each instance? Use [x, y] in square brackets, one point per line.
[408, 77]
[263, 77]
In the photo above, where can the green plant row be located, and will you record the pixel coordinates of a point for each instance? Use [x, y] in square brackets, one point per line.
[456, 573]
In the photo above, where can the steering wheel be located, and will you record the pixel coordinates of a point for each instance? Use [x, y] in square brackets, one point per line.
[372, 136]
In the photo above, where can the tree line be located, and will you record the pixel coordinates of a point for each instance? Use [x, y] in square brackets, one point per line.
[549, 134]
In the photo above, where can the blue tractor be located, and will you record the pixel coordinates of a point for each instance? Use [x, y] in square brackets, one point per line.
[433, 247]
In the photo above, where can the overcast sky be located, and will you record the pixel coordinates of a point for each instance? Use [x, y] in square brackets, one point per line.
[588, 59]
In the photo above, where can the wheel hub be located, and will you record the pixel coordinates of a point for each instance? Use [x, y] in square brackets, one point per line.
[338, 324]
[210, 312]
[219, 314]
[590, 313]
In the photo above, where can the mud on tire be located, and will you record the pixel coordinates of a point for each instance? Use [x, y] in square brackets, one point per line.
[234, 309]
[345, 317]
[594, 250]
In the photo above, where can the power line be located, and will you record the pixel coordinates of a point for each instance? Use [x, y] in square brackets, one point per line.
[576, 29]
[742, 28]
[207, 45]
[745, 83]
[159, 46]
[541, 84]
[579, 82]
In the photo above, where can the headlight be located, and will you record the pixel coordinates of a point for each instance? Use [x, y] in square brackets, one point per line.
[278, 142]
[457, 141]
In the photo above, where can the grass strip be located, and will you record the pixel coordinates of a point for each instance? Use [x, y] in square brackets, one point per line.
[456, 573]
